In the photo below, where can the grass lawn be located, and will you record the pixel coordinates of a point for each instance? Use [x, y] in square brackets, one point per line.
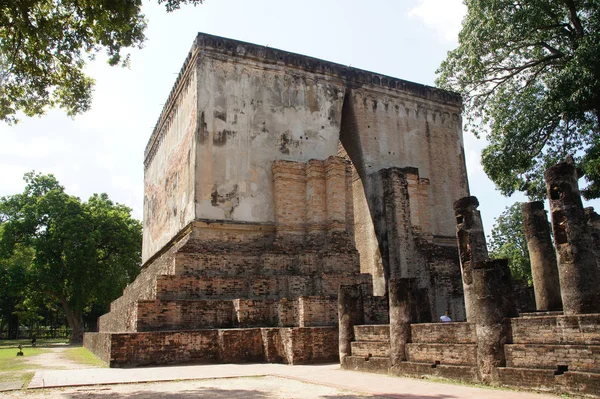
[12, 367]
[9, 361]
[15, 368]
[83, 356]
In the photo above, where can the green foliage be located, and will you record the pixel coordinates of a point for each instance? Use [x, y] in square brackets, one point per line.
[508, 241]
[529, 72]
[13, 283]
[84, 253]
[41, 342]
[45, 44]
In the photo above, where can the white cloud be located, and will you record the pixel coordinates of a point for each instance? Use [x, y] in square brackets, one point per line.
[443, 16]
[32, 147]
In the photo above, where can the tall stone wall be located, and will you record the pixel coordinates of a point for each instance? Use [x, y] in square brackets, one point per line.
[255, 105]
[169, 166]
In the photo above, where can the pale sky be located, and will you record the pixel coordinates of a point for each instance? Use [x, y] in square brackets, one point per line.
[102, 150]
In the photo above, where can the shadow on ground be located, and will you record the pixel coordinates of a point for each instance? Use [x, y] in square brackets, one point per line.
[101, 393]
[390, 396]
[216, 393]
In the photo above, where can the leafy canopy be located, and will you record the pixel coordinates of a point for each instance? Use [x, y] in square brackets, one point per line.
[529, 71]
[84, 253]
[508, 241]
[44, 46]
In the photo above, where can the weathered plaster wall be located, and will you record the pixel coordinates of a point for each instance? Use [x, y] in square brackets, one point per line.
[250, 114]
[394, 129]
[169, 168]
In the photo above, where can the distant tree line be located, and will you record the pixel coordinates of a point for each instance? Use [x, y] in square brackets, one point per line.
[62, 258]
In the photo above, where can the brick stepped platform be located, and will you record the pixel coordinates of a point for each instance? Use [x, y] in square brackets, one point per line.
[370, 349]
[444, 350]
[371, 341]
[191, 304]
[555, 353]
[287, 345]
[254, 286]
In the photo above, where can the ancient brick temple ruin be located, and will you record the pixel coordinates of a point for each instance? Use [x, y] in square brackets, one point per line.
[271, 179]
[556, 348]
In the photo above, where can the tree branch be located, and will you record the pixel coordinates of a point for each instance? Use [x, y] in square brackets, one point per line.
[574, 18]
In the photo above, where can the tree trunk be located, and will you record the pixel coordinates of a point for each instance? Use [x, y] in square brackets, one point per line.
[75, 321]
[13, 326]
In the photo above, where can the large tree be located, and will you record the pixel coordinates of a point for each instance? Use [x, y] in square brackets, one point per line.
[529, 71]
[44, 46]
[84, 252]
[508, 241]
[13, 286]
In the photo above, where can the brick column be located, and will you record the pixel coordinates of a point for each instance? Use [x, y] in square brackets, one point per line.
[316, 201]
[577, 269]
[289, 191]
[472, 247]
[350, 313]
[402, 299]
[493, 303]
[335, 180]
[542, 255]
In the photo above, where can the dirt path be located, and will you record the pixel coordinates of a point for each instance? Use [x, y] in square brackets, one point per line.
[55, 359]
[231, 388]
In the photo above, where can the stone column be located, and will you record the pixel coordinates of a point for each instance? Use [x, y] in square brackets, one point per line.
[542, 256]
[402, 298]
[350, 313]
[593, 222]
[493, 303]
[472, 247]
[577, 269]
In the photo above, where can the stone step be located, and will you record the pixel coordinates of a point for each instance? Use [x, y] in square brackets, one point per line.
[266, 262]
[453, 372]
[305, 311]
[217, 263]
[372, 333]
[457, 333]
[254, 286]
[584, 358]
[564, 330]
[303, 346]
[539, 313]
[367, 364]
[157, 315]
[542, 379]
[370, 349]
[383, 365]
[448, 354]
[561, 382]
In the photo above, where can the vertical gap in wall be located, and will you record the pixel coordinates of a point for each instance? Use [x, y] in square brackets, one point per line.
[366, 239]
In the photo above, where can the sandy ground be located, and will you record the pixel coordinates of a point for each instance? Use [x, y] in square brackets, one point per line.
[54, 360]
[234, 388]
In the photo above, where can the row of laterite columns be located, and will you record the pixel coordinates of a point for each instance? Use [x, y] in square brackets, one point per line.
[568, 280]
